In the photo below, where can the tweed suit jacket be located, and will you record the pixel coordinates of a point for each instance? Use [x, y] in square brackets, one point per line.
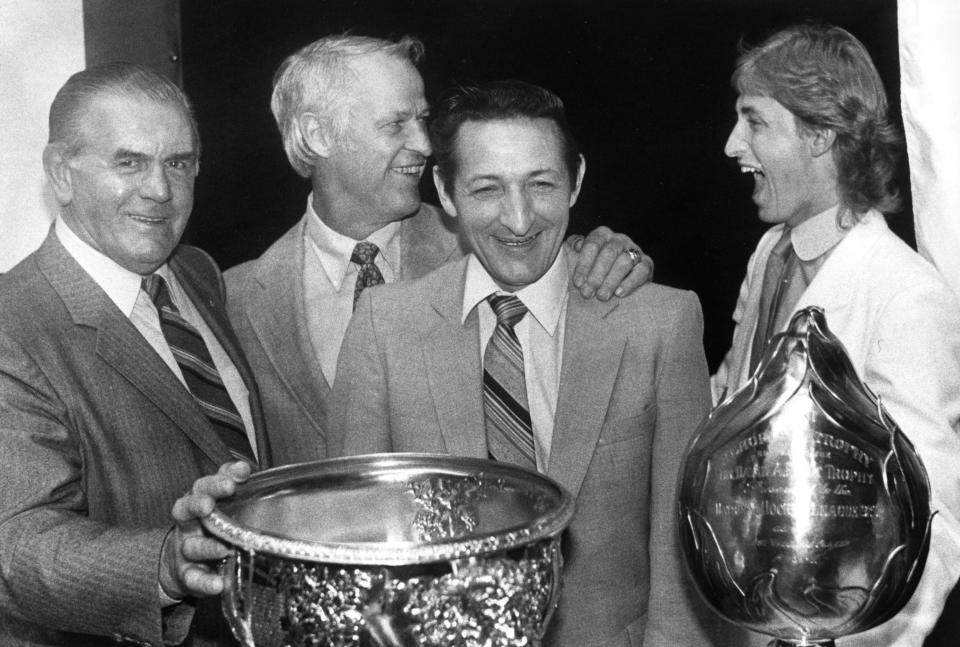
[98, 438]
[633, 388]
[265, 302]
[900, 325]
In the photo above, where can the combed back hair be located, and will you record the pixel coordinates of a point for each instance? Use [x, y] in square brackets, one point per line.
[317, 79]
[120, 79]
[826, 78]
[495, 101]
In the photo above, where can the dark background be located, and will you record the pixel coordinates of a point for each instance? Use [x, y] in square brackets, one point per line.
[646, 86]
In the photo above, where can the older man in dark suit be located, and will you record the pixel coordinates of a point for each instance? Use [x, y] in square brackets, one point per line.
[121, 383]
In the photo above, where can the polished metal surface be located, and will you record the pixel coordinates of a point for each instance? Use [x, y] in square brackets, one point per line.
[393, 549]
[804, 510]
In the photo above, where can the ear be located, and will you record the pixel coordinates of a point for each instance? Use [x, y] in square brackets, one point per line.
[56, 164]
[581, 169]
[821, 141]
[317, 133]
[441, 185]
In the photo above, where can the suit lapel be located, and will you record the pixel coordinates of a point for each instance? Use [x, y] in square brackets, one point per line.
[277, 315]
[452, 356]
[122, 347]
[584, 390]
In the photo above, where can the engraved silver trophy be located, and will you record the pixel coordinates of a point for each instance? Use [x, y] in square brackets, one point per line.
[804, 510]
[392, 550]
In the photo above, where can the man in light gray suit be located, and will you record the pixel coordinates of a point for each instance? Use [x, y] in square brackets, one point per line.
[497, 354]
[352, 114]
[102, 423]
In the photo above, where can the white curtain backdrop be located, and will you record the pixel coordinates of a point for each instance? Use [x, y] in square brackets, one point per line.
[930, 97]
[41, 44]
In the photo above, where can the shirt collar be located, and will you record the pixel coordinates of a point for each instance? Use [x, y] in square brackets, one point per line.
[334, 249]
[544, 298]
[815, 236]
[120, 284]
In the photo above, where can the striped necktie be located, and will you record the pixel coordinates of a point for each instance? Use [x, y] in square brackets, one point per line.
[507, 413]
[369, 274]
[199, 372]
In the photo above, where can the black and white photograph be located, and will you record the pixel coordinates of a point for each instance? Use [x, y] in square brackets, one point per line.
[480, 323]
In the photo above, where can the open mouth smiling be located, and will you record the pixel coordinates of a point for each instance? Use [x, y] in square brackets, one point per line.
[147, 220]
[517, 242]
[412, 169]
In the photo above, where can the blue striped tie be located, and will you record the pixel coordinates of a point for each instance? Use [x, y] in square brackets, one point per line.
[199, 371]
[509, 432]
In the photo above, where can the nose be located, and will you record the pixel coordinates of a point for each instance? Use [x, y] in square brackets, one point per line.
[154, 184]
[418, 139]
[517, 213]
[735, 145]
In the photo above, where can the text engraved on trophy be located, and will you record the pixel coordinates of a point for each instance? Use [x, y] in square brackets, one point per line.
[775, 487]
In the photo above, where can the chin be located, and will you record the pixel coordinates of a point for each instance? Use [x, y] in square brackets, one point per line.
[770, 218]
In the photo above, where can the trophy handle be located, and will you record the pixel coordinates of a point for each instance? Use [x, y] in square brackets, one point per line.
[556, 561]
[238, 594]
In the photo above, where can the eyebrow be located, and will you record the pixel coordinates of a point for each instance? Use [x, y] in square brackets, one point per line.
[497, 176]
[190, 156]
[405, 114]
[125, 153]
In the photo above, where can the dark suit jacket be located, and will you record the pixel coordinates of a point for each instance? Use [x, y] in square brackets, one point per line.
[266, 306]
[633, 388]
[98, 438]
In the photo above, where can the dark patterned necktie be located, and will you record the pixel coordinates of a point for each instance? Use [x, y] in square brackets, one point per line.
[369, 274]
[507, 412]
[199, 372]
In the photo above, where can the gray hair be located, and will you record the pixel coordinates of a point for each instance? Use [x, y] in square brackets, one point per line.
[119, 79]
[316, 79]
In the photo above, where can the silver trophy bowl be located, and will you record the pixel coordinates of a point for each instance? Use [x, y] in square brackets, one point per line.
[392, 550]
[804, 510]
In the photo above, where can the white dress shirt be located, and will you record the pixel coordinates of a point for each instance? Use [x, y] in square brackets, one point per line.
[541, 337]
[123, 288]
[329, 281]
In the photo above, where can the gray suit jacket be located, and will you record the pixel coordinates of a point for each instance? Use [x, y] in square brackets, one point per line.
[633, 388]
[266, 306]
[98, 438]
